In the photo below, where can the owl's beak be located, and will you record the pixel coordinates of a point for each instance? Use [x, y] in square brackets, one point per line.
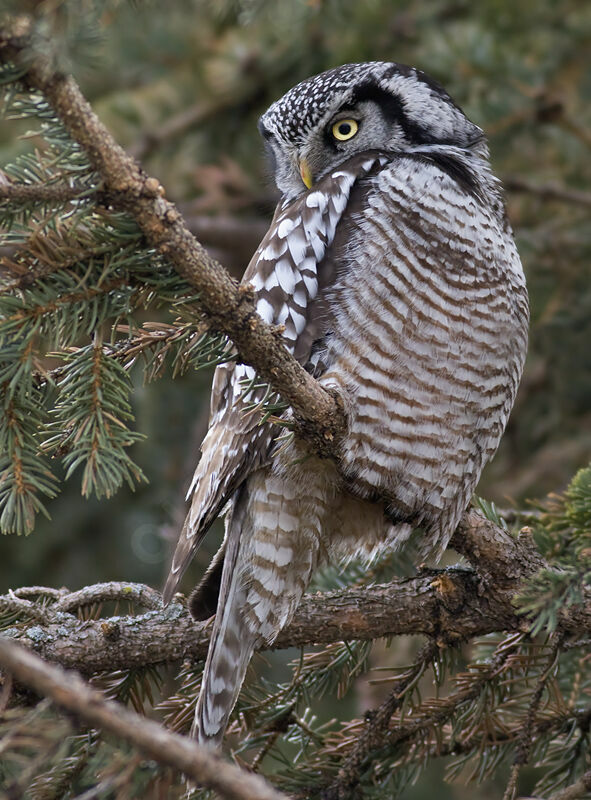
[306, 173]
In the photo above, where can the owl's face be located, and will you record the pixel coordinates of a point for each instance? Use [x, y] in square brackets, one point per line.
[389, 107]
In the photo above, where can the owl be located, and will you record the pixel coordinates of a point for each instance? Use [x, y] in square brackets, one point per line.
[392, 268]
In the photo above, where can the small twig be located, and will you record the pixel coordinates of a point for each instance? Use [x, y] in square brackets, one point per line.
[275, 730]
[377, 724]
[30, 610]
[113, 590]
[191, 117]
[524, 744]
[69, 691]
[43, 193]
[37, 591]
[225, 231]
[547, 191]
[151, 336]
[509, 793]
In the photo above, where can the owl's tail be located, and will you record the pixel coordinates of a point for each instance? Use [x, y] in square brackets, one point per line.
[271, 550]
[227, 661]
[232, 644]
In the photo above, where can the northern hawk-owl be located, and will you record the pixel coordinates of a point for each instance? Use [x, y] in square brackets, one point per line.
[392, 267]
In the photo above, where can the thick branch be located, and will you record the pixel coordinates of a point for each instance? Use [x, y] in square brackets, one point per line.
[502, 560]
[230, 307]
[444, 604]
[449, 605]
[70, 692]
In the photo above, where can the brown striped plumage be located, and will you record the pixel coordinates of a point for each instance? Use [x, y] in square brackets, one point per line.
[398, 282]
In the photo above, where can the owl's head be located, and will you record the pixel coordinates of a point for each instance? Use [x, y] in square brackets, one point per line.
[390, 107]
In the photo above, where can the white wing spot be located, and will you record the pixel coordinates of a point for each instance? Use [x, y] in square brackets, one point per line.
[300, 296]
[298, 320]
[274, 249]
[297, 245]
[265, 309]
[286, 226]
[316, 200]
[311, 282]
[339, 202]
[285, 276]
[283, 314]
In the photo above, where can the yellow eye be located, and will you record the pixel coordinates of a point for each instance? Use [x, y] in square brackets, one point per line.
[345, 129]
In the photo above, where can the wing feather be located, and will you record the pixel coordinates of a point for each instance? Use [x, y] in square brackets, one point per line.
[285, 273]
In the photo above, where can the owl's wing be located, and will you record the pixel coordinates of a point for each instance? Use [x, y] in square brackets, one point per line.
[285, 272]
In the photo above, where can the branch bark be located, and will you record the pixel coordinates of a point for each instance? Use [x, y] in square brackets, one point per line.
[444, 604]
[69, 691]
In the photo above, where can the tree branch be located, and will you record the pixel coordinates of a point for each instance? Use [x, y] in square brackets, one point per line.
[445, 604]
[450, 605]
[229, 306]
[69, 691]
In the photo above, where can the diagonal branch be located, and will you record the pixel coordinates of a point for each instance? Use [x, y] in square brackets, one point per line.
[229, 306]
[69, 691]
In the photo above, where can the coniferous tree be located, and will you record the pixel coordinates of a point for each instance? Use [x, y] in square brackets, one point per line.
[91, 311]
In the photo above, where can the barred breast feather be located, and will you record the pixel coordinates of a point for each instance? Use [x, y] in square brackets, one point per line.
[427, 336]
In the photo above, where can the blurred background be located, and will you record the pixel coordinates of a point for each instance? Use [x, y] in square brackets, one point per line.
[181, 86]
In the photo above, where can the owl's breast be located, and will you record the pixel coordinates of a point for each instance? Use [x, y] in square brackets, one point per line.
[426, 335]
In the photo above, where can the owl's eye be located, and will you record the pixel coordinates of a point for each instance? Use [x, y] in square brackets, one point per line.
[345, 129]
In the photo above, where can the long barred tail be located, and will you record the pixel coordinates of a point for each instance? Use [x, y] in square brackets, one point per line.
[227, 661]
[270, 552]
[232, 644]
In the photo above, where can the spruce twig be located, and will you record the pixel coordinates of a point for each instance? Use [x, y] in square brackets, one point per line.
[524, 743]
[377, 724]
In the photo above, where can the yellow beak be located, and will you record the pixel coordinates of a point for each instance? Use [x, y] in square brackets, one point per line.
[306, 173]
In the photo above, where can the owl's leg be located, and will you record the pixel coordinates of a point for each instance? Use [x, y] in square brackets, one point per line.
[273, 545]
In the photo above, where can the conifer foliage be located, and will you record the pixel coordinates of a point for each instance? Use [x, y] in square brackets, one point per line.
[79, 274]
